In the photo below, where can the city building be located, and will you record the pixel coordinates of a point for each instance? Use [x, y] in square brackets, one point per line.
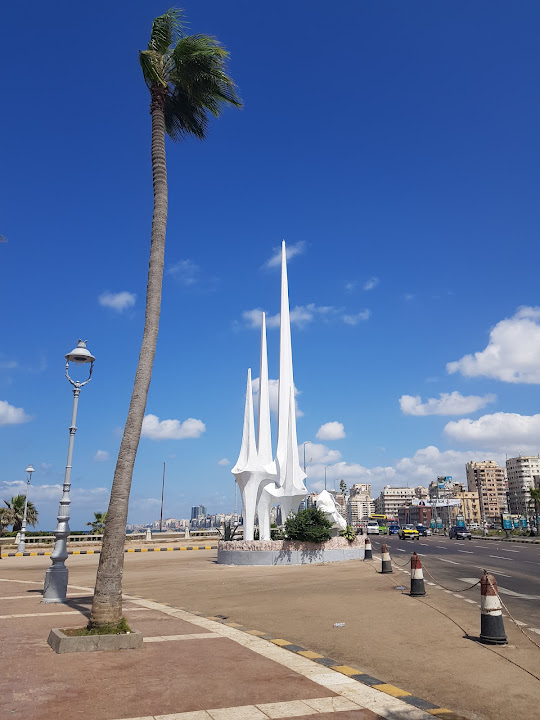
[197, 511]
[489, 480]
[521, 472]
[360, 505]
[392, 498]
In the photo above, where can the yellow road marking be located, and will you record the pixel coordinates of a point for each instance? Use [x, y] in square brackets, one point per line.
[280, 642]
[391, 690]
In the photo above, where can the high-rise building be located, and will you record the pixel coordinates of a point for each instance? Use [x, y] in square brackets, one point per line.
[489, 480]
[392, 498]
[521, 472]
[197, 511]
[360, 504]
[360, 489]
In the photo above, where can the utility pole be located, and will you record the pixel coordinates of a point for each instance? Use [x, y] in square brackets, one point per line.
[162, 492]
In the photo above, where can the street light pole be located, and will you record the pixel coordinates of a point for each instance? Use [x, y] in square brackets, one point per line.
[22, 544]
[326, 466]
[304, 444]
[56, 577]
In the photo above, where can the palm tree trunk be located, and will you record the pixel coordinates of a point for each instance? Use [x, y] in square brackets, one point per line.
[107, 602]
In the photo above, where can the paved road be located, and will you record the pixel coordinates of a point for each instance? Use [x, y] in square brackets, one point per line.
[455, 564]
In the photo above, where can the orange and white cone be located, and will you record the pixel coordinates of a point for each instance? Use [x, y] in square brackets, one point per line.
[386, 562]
[417, 577]
[492, 626]
[368, 551]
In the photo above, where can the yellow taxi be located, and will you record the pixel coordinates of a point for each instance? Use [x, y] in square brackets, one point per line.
[408, 532]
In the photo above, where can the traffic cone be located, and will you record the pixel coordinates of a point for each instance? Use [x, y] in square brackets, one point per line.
[386, 562]
[492, 626]
[368, 552]
[417, 577]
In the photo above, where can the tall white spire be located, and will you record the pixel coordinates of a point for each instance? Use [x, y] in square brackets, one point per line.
[290, 474]
[248, 449]
[264, 436]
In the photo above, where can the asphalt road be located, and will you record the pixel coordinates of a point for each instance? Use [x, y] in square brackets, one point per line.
[456, 563]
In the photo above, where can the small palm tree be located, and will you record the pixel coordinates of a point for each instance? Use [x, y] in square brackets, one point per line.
[187, 80]
[535, 498]
[98, 524]
[13, 513]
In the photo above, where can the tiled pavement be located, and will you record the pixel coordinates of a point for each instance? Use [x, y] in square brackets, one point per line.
[190, 668]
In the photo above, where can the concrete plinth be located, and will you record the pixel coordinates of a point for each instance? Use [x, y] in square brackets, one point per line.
[288, 552]
[62, 643]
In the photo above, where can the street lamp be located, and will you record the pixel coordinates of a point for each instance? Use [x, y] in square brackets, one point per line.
[326, 466]
[56, 577]
[21, 546]
[304, 444]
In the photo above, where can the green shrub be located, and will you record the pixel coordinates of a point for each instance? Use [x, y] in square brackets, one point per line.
[310, 525]
[348, 533]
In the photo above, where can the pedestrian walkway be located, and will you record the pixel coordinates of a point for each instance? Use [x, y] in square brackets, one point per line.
[190, 668]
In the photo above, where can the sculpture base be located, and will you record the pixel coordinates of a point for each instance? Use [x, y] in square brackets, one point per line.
[289, 552]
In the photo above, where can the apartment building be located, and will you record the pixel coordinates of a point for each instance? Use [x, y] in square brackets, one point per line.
[521, 472]
[489, 480]
[392, 498]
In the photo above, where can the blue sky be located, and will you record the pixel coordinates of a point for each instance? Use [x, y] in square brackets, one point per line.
[394, 146]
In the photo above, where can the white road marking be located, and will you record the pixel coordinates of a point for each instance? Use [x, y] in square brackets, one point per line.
[508, 550]
[430, 583]
[473, 602]
[442, 547]
[448, 561]
[425, 544]
[499, 557]
[505, 591]
[459, 596]
[470, 552]
[536, 630]
[400, 549]
[497, 572]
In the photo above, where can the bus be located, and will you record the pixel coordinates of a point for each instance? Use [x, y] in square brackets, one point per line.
[382, 520]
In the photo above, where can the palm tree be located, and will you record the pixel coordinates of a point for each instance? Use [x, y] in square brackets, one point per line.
[187, 80]
[535, 498]
[13, 513]
[98, 524]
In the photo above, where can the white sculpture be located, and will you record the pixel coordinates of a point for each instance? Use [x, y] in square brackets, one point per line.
[262, 481]
[325, 502]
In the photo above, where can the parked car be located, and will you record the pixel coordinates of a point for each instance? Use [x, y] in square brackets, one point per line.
[475, 526]
[372, 527]
[408, 532]
[393, 529]
[423, 531]
[459, 533]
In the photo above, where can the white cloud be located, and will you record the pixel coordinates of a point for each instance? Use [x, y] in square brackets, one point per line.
[350, 286]
[224, 461]
[371, 283]
[420, 469]
[8, 364]
[102, 456]
[302, 315]
[453, 403]
[186, 272]
[355, 319]
[44, 492]
[500, 431]
[291, 250]
[273, 394]
[513, 351]
[331, 431]
[157, 429]
[117, 301]
[11, 415]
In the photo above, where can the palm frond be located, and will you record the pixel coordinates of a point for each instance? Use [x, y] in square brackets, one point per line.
[152, 67]
[165, 29]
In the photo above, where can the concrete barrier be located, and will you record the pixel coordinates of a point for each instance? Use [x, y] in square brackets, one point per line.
[288, 552]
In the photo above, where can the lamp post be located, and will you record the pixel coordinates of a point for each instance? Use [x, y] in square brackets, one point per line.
[304, 444]
[56, 577]
[21, 546]
[326, 466]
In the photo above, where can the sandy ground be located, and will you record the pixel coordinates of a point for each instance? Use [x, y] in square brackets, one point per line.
[425, 646]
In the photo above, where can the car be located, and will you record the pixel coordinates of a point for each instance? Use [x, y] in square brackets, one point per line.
[372, 527]
[408, 532]
[393, 529]
[459, 533]
[475, 526]
[423, 531]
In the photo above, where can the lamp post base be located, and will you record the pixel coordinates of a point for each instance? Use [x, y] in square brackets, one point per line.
[56, 582]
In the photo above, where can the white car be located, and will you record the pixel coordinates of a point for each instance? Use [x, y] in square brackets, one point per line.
[372, 527]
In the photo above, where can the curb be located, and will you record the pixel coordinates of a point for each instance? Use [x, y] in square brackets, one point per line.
[533, 541]
[351, 672]
[126, 550]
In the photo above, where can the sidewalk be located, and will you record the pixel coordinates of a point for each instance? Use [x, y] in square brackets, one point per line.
[190, 668]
